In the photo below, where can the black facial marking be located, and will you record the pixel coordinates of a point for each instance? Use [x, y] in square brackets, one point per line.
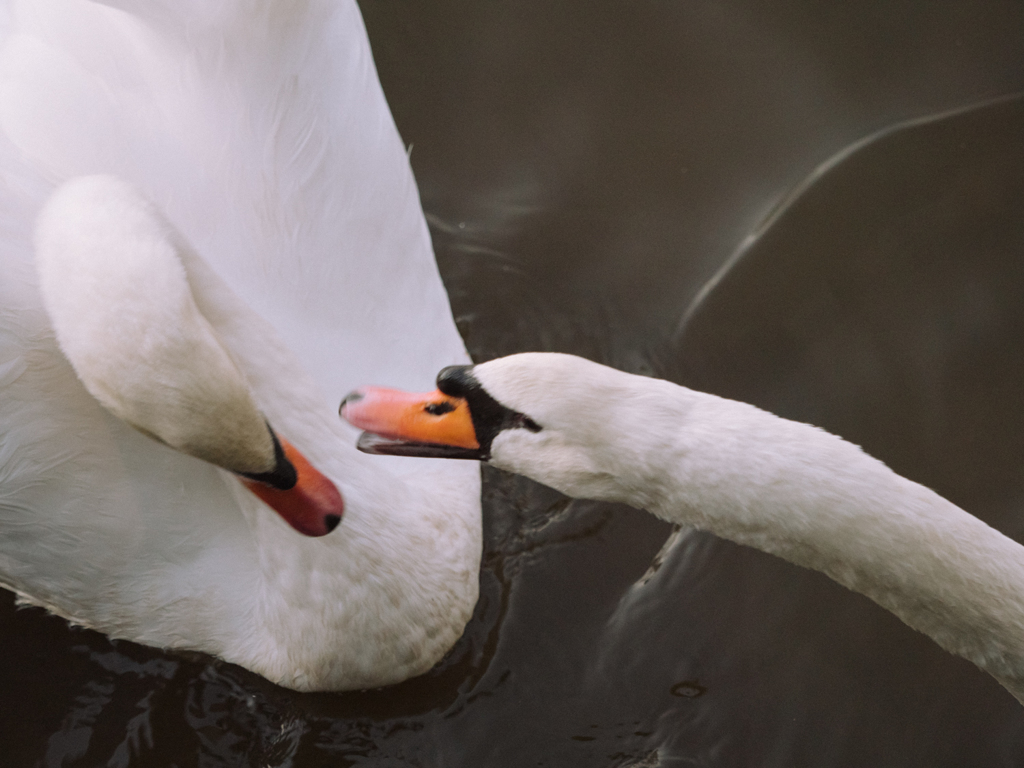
[439, 409]
[526, 422]
[283, 476]
[489, 416]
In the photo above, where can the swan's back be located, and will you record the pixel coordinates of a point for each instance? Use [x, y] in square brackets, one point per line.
[263, 136]
[266, 139]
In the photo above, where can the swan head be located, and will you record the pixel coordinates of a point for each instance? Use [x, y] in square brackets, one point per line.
[119, 298]
[561, 420]
[297, 491]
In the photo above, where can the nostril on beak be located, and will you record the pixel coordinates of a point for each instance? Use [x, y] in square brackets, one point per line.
[351, 397]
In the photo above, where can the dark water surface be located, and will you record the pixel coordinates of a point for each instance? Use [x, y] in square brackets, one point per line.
[636, 183]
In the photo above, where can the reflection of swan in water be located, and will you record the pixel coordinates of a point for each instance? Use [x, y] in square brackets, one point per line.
[259, 132]
[789, 489]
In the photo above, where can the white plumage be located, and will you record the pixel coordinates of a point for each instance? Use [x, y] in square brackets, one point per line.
[115, 288]
[790, 489]
[259, 131]
[726, 467]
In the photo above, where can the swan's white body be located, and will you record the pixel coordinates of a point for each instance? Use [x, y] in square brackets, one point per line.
[260, 132]
[790, 489]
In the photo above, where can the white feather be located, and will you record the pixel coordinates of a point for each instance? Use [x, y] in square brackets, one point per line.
[115, 288]
[786, 488]
[259, 131]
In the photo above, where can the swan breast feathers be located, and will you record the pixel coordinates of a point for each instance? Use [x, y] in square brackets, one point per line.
[259, 242]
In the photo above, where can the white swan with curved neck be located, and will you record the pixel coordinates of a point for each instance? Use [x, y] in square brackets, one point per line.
[732, 469]
[252, 143]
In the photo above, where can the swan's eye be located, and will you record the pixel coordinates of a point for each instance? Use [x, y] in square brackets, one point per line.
[525, 422]
[439, 409]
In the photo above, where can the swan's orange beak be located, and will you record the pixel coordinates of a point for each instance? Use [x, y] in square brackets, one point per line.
[312, 506]
[404, 424]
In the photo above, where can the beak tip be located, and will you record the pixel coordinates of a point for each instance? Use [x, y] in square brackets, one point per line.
[331, 522]
[367, 443]
[350, 399]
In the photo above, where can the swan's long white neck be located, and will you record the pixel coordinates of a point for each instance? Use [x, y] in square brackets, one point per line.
[789, 489]
[813, 499]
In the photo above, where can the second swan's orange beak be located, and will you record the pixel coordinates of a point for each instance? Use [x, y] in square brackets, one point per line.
[312, 506]
[405, 424]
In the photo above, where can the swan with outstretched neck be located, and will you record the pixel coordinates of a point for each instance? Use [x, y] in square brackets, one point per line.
[209, 228]
[726, 467]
